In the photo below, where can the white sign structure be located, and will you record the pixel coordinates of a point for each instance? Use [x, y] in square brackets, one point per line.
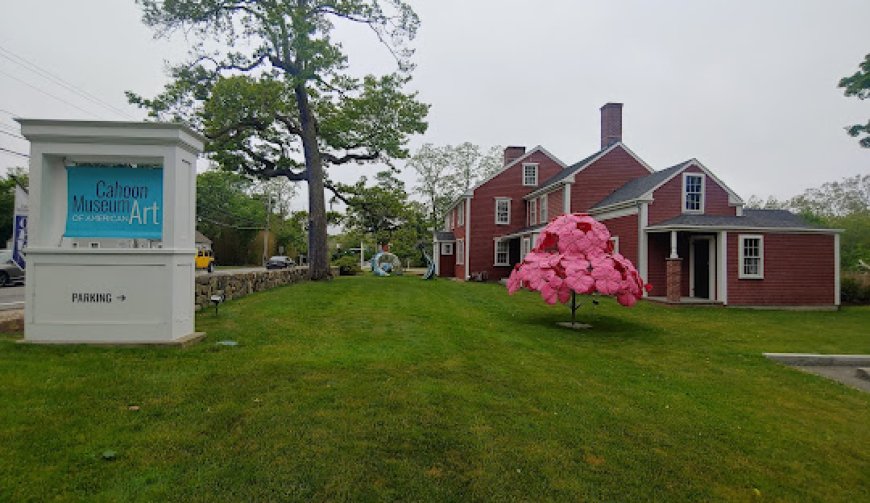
[100, 269]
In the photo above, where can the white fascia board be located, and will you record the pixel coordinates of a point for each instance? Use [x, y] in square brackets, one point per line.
[730, 228]
[733, 198]
[631, 203]
[519, 160]
[626, 211]
[525, 232]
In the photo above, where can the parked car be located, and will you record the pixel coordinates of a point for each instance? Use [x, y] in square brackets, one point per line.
[10, 274]
[280, 262]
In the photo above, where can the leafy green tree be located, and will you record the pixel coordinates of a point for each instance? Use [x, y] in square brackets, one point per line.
[377, 210]
[228, 214]
[278, 101]
[434, 184]
[471, 165]
[445, 173]
[858, 85]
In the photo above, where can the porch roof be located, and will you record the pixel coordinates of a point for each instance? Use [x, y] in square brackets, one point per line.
[752, 219]
[441, 236]
[521, 232]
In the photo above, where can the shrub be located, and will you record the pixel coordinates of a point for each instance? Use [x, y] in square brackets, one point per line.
[855, 289]
[347, 266]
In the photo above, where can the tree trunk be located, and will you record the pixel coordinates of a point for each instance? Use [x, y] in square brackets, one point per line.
[318, 255]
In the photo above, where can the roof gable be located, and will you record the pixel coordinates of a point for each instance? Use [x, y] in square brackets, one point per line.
[582, 164]
[519, 160]
[643, 188]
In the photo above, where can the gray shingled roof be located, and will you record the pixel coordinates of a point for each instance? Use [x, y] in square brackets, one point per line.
[750, 219]
[638, 187]
[445, 236]
[565, 173]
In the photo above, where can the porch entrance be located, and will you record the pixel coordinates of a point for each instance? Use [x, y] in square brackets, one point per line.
[702, 267]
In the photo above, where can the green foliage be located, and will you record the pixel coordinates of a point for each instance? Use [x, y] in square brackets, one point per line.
[359, 390]
[7, 201]
[858, 85]
[228, 214]
[348, 265]
[855, 288]
[445, 173]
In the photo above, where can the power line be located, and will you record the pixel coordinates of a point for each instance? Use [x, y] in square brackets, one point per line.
[33, 67]
[13, 135]
[13, 152]
[49, 94]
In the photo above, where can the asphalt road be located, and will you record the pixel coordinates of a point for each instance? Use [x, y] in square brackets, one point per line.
[11, 297]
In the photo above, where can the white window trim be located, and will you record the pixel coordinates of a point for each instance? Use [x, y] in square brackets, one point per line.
[460, 252]
[703, 193]
[615, 241]
[531, 165]
[543, 211]
[507, 253]
[498, 200]
[446, 248]
[460, 215]
[525, 247]
[533, 212]
[741, 238]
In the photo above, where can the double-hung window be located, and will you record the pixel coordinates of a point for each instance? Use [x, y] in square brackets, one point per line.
[460, 251]
[543, 205]
[693, 193]
[530, 175]
[533, 212]
[502, 211]
[751, 259]
[501, 253]
[460, 218]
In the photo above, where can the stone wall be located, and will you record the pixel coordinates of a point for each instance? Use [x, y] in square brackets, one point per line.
[235, 285]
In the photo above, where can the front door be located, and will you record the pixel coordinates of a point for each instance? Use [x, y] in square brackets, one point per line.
[701, 266]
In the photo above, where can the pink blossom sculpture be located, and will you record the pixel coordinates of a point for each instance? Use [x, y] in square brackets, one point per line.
[574, 255]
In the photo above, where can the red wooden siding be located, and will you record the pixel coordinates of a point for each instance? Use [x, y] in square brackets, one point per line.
[603, 177]
[626, 229]
[554, 203]
[668, 199]
[508, 183]
[798, 270]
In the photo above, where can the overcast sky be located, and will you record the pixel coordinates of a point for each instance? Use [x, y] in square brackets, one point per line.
[746, 87]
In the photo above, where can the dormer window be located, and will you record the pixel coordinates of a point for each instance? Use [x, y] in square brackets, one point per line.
[693, 193]
[530, 175]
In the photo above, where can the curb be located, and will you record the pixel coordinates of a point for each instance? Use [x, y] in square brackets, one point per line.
[809, 359]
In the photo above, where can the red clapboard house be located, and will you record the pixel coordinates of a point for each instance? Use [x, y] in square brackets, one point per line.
[683, 228]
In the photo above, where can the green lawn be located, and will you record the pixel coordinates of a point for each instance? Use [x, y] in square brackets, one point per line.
[394, 388]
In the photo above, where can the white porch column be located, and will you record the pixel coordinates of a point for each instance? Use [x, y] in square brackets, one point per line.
[566, 199]
[674, 245]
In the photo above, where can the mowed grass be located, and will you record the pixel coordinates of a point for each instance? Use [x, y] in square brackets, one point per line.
[374, 389]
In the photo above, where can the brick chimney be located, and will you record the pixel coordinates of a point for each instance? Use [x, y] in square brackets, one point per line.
[511, 154]
[611, 124]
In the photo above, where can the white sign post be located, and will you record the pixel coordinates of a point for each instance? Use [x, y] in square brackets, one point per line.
[110, 257]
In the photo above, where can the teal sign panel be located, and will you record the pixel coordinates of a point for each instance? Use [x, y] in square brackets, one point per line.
[114, 202]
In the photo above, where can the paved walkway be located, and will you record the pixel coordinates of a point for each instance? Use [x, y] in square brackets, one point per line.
[842, 368]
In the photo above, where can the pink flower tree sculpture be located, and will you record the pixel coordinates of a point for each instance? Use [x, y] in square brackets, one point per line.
[574, 255]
